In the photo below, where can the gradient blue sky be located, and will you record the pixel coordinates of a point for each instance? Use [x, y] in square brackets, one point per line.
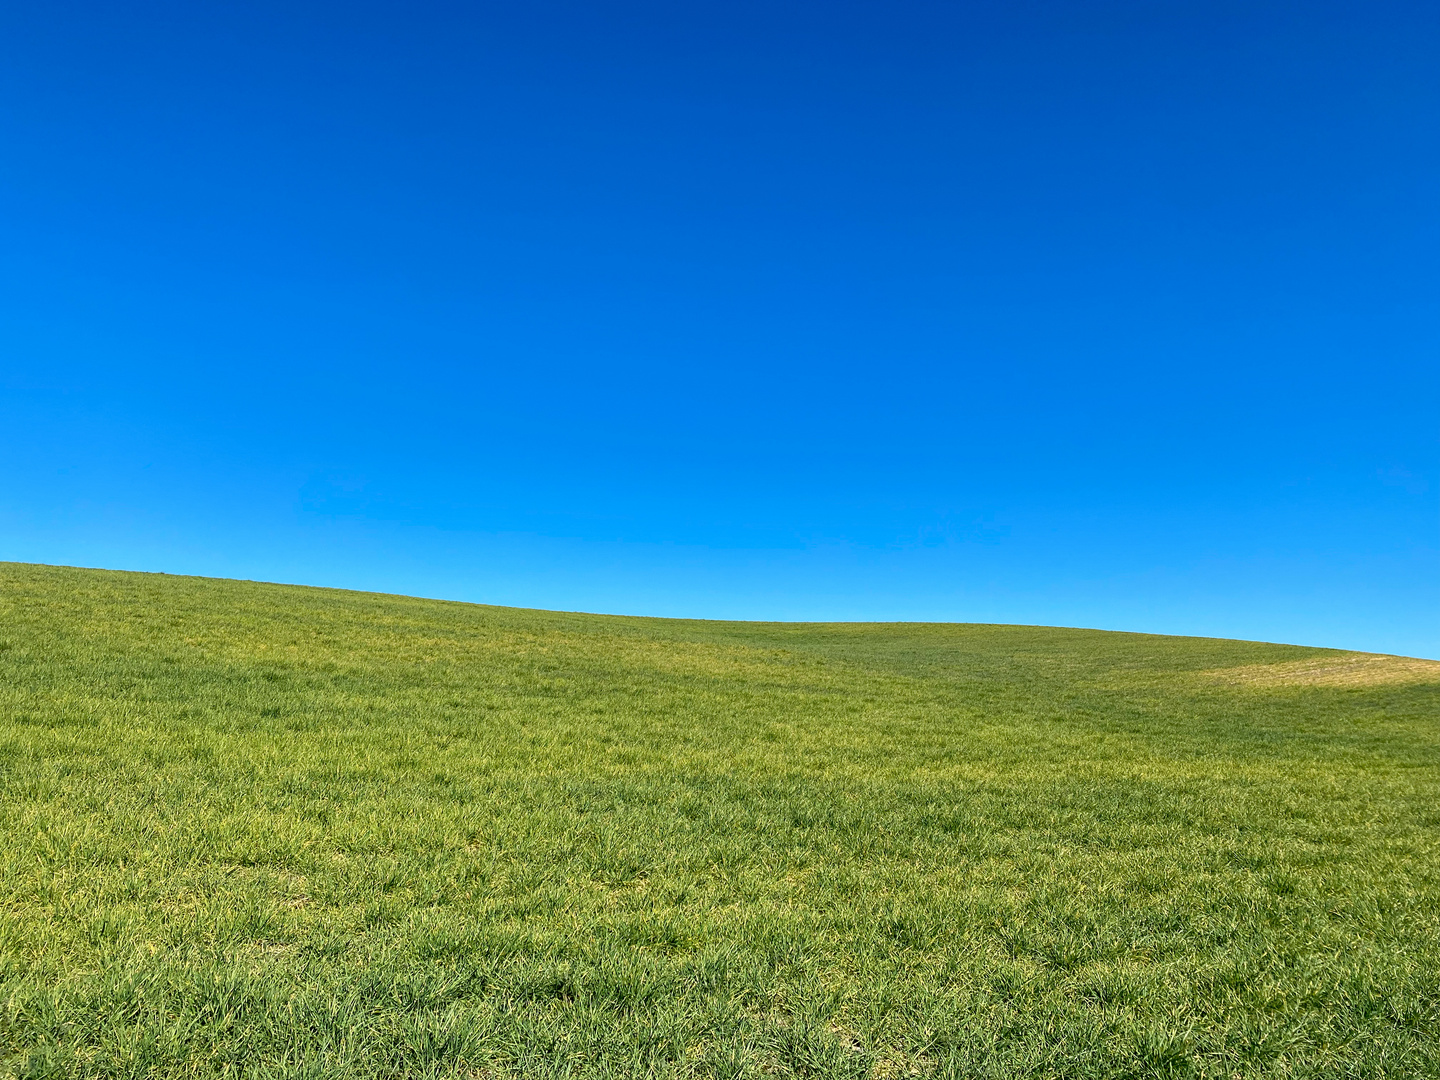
[1117, 314]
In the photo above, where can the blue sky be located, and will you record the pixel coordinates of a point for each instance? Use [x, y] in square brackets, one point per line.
[1091, 313]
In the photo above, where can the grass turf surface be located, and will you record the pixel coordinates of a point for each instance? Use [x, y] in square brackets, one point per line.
[259, 830]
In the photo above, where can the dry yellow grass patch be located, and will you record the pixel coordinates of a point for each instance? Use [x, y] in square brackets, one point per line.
[1343, 670]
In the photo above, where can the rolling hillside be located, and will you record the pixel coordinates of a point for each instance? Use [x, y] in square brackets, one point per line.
[262, 830]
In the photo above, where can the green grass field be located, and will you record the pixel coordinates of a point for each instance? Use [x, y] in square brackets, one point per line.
[260, 830]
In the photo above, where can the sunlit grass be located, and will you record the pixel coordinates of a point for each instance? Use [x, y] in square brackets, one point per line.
[272, 831]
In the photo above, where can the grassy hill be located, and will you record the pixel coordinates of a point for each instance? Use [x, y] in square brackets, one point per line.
[260, 830]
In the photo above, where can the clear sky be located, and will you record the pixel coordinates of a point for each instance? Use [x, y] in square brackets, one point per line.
[1116, 314]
